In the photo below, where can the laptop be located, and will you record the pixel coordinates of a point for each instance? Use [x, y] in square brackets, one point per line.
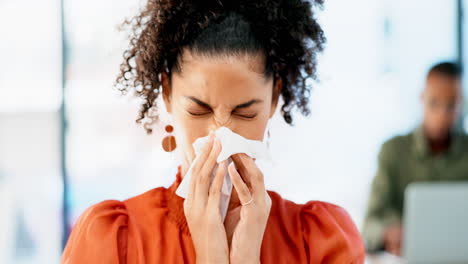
[436, 223]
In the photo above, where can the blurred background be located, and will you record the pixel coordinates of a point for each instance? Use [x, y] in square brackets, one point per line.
[69, 140]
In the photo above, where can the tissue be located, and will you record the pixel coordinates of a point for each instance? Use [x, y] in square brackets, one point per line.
[232, 143]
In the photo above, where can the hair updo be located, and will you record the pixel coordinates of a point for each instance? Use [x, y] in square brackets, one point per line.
[284, 32]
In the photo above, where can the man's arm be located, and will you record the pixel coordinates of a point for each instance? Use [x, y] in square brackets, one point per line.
[381, 212]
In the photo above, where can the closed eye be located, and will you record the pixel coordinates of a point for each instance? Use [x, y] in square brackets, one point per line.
[198, 114]
[247, 116]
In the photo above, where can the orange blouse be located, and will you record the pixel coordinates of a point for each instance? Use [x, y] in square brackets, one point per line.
[151, 228]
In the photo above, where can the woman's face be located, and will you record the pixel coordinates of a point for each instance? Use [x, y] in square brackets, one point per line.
[214, 91]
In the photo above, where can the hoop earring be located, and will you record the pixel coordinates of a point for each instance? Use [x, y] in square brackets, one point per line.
[169, 141]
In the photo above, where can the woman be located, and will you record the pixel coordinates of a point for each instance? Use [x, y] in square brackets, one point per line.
[218, 63]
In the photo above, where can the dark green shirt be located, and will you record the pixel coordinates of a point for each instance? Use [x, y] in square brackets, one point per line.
[402, 160]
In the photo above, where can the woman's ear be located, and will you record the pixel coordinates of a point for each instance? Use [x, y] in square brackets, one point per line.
[166, 91]
[276, 93]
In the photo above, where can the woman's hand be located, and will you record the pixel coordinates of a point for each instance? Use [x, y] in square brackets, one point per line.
[255, 209]
[202, 206]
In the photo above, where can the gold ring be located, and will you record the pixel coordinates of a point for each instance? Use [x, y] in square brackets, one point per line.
[250, 201]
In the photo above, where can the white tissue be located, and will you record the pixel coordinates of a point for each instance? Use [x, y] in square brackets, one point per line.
[232, 143]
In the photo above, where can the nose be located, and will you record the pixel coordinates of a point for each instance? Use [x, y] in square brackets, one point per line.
[219, 121]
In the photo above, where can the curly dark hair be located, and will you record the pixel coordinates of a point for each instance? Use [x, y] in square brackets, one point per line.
[284, 31]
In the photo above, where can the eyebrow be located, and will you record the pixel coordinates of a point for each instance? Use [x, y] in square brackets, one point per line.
[243, 105]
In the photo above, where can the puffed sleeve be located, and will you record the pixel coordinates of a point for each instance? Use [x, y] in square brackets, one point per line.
[330, 236]
[99, 236]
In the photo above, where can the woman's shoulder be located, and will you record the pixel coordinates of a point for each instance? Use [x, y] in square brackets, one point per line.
[116, 212]
[317, 209]
[101, 231]
[324, 224]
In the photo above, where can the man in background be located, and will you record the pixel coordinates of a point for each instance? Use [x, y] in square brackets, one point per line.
[434, 151]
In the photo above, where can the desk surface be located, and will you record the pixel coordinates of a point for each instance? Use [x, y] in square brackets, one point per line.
[383, 258]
